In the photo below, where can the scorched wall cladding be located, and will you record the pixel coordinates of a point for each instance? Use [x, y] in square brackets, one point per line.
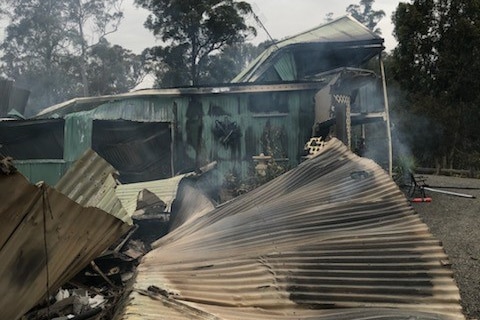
[278, 122]
[229, 125]
[231, 129]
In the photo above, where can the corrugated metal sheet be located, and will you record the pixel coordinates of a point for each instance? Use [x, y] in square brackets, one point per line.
[90, 183]
[145, 109]
[32, 139]
[296, 120]
[6, 87]
[41, 227]
[333, 238]
[140, 151]
[12, 97]
[90, 103]
[18, 99]
[48, 170]
[287, 116]
[343, 30]
[78, 136]
[190, 204]
[165, 190]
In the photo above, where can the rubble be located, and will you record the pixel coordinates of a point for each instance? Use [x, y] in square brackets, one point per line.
[45, 239]
[333, 238]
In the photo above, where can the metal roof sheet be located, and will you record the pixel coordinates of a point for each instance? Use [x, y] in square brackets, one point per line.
[344, 30]
[38, 227]
[191, 203]
[90, 183]
[12, 97]
[333, 238]
[90, 103]
[165, 190]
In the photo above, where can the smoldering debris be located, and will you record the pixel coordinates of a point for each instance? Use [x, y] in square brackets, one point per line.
[65, 257]
[45, 239]
[333, 238]
[253, 256]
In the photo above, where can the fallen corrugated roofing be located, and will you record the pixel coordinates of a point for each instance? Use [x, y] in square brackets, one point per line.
[333, 238]
[45, 239]
[191, 203]
[165, 190]
[90, 183]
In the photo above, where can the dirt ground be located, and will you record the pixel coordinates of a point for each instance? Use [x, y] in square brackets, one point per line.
[456, 222]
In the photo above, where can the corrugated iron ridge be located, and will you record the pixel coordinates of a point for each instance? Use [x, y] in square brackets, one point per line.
[90, 183]
[303, 246]
[74, 236]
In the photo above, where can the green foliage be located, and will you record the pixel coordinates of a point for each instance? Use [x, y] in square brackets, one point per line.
[192, 30]
[436, 63]
[47, 50]
[364, 13]
[112, 69]
[230, 61]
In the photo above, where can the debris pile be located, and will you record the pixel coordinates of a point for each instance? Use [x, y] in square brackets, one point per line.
[332, 238]
[45, 239]
[70, 251]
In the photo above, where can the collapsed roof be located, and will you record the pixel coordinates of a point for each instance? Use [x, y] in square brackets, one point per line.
[333, 238]
[343, 42]
[45, 239]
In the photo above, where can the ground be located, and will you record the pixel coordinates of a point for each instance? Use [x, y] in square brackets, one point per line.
[456, 222]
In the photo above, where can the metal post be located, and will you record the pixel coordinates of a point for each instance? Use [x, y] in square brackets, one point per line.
[173, 126]
[387, 115]
[172, 148]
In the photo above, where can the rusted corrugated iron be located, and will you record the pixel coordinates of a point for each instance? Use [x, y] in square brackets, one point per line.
[45, 239]
[90, 182]
[333, 238]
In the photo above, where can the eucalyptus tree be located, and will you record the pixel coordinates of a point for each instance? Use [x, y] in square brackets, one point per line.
[365, 13]
[436, 63]
[46, 44]
[191, 30]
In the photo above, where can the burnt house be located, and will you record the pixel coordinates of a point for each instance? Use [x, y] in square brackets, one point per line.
[309, 85]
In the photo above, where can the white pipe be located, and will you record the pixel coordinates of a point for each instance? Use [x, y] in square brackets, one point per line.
[464, 195]
[387, 116]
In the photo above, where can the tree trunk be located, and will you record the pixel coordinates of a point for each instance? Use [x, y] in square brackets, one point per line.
[193, 60]
[83, 55]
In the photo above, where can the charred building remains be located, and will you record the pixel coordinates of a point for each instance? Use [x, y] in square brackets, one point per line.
[333, 238]
[305, 86]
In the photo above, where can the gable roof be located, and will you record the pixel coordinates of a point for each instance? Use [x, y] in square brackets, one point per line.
[343, 42]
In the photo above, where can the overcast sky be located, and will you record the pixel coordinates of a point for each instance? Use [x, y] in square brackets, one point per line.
[282, 18]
